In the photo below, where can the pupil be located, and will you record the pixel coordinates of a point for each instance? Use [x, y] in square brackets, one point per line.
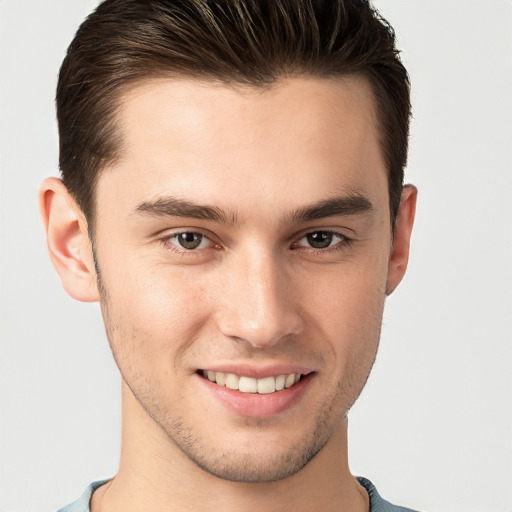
[320, 239]
[189, 240]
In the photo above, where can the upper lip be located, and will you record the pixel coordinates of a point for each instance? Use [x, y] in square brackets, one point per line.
[258, 371]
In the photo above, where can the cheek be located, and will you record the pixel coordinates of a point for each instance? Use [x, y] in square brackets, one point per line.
[349, 310]
[151, 317]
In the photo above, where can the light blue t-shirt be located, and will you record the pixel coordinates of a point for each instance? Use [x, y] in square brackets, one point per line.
[377, 504]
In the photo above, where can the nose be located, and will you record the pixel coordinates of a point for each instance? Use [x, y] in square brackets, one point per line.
[258, 305]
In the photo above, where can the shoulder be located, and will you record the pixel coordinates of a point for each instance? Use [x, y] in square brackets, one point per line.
[82, 503]
[378, 504]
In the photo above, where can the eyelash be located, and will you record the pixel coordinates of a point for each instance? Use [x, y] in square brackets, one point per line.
[167, 242]
[341, 245]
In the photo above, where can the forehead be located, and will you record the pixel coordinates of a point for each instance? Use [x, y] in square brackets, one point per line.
[242, 148]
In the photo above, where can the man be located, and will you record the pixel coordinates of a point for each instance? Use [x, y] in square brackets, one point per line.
[232, 196]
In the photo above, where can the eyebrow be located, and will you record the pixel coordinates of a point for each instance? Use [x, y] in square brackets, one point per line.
[174, 207]
[337, 206]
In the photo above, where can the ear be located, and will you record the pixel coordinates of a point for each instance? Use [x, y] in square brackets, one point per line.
[68, 240]
[401, 238]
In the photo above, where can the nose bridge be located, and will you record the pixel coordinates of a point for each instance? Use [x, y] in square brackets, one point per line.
[258, 307]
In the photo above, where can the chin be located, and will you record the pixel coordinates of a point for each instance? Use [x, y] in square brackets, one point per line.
[259, 459]
[251, 468]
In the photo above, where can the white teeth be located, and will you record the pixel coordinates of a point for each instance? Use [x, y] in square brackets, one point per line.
[251, 385]
[221, 378]
[290, 381]
[280, 382]
[231, 381]
[266, 385]
[248, 385]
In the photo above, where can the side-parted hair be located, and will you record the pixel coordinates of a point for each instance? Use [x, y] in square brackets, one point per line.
[237, 42]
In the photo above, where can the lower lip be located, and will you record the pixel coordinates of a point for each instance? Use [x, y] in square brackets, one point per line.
[254, 405]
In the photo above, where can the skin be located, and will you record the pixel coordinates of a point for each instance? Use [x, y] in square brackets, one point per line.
[254, 294]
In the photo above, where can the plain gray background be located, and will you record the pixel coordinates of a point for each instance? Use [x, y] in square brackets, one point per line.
[433, 428]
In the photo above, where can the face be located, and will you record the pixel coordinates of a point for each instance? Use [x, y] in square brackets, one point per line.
[243, 242]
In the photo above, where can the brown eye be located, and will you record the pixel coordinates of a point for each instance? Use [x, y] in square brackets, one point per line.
[319, 239]
[189, 240]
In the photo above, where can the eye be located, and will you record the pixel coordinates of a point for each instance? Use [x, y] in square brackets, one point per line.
[189, 240]
[321, 240]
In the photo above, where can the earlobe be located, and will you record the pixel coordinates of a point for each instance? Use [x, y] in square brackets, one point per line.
[68, 240]
[401, 238]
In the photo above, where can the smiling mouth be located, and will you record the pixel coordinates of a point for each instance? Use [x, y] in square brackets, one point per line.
[245, 384]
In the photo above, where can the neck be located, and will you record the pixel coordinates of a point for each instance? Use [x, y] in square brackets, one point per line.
[155, 475]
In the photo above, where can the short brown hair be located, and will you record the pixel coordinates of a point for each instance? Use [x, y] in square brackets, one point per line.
[247, 42]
